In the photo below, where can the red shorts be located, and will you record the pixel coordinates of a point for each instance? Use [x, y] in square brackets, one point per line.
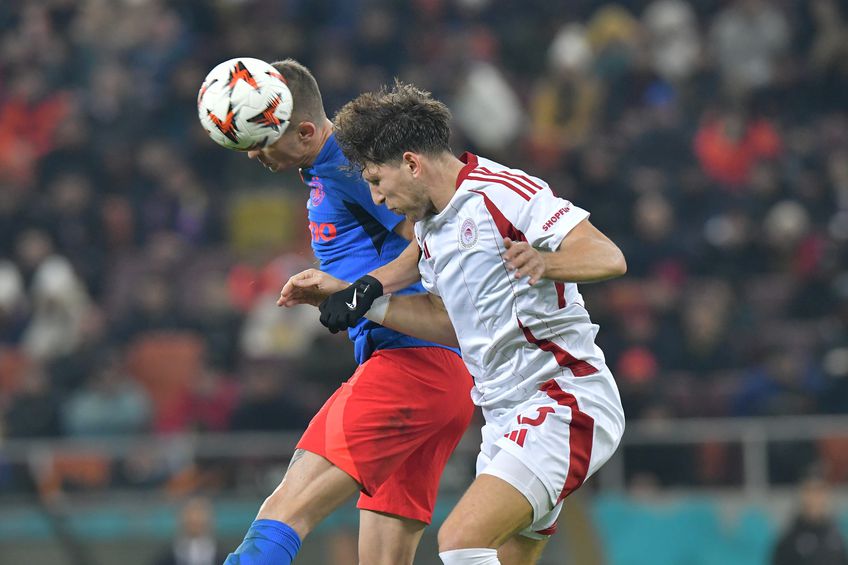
[393, 425]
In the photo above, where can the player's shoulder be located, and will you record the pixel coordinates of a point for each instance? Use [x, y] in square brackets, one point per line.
[343, 184]
[500, 183]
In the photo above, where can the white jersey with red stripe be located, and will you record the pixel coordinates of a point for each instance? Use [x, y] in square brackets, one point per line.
[513, 336]
[552, 409]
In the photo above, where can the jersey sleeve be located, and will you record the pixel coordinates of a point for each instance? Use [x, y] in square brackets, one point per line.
[425, 266]
[549, 218]
[544, 218]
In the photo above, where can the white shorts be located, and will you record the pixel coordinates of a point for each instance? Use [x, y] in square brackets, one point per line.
[549, 444]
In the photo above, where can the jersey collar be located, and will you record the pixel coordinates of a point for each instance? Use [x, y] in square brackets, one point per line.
[328, 154]
[470, 160]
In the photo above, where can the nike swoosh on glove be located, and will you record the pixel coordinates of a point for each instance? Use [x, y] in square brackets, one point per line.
[343, 309]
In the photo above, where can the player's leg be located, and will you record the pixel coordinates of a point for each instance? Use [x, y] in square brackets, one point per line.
[311, 489]
[394, 517]
[489, 513]
[386, 539]
[358, 439]
[508, 501]
[521, 550]
[320, 477]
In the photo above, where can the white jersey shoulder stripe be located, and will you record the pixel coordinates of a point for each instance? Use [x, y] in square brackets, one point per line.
[490, 178]
[538, 183]
[524, 182]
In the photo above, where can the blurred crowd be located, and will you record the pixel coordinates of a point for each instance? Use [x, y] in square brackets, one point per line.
[139, 262]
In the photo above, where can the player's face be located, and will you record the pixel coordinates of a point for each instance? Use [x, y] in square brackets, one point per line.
[287, 152]
[396, 187]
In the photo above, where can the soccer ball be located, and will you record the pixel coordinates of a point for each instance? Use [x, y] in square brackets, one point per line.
[244, 104]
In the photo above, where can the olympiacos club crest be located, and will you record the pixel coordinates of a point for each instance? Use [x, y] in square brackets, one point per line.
[467, 234]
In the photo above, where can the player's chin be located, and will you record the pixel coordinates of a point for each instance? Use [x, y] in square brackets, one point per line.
[413, 217]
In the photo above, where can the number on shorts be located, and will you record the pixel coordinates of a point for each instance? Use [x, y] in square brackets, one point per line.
[518, 436]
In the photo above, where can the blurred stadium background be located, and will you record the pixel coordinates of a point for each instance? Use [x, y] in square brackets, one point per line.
[150, 390]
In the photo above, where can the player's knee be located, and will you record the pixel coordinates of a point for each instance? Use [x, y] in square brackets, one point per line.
[455, 535]
[281, 507]
[386, 556]
[470, 556]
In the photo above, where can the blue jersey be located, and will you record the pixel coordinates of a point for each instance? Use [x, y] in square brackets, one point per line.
[352, 236]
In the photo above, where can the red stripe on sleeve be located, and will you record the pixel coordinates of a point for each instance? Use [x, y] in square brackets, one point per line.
[514, 178]
[525, 178]
[499, 180]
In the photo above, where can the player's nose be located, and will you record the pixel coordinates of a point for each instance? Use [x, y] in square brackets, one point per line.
[377, 197]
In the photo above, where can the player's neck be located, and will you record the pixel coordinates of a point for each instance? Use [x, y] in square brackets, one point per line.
[321, 137]
[443, 183]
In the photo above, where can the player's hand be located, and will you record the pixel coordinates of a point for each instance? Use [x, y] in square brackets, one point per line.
[343, 309]
[309, 287]
[523, 260]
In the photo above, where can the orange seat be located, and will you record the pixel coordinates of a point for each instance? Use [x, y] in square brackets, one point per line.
[76, 470]
[166, 364]
[13, 366]
[834, 457]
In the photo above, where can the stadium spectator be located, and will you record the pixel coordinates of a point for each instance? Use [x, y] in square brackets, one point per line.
[813, 537]
[154, 308]
[730, 144]
[206, 406]
[566, 100]
[13, 304]
[748, 37]
[267, 402]
[59, 306]
[195, 542]
[708, 137]
[675, 41]
[109, 403]
[33, 409]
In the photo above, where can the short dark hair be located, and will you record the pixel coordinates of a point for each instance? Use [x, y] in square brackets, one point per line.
[378, 127]
[308, 105]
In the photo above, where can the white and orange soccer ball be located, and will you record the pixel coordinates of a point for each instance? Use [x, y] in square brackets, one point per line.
[244, 104]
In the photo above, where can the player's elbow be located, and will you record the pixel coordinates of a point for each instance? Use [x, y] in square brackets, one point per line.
[450, 339]
[616, 264]
[619, 264]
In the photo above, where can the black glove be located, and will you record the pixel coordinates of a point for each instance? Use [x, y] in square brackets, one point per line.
[343, 309]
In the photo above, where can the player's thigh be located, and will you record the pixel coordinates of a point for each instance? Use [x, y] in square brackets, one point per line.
[411, 490]
[386, 539]
[398, 400]
[311, 489]
[521, 550]
[489, 513]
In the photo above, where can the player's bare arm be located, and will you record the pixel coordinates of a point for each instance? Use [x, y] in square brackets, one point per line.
[401, 272]
[309, 287]
[585, 255]
[343, 309]
[420, 315]
[405, 229]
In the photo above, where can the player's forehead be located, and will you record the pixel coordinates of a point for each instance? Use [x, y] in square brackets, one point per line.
[374, 171]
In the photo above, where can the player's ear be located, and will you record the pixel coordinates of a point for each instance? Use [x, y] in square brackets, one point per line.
[305, 130]
[412, 161]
